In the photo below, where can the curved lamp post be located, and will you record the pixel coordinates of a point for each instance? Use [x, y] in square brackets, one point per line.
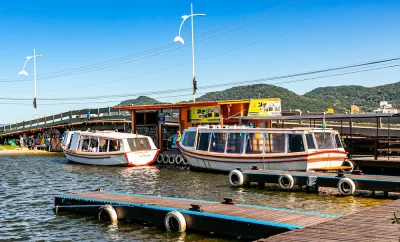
[23, 72]
[179, 39]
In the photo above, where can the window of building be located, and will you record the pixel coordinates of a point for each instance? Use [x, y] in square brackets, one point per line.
[296, 143]
[235, 143]
[255, 143]
[203, 141]
[218, 142]
[324, 140]
[275, 143]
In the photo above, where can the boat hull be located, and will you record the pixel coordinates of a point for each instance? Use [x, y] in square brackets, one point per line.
[140, 158]
[289, 163]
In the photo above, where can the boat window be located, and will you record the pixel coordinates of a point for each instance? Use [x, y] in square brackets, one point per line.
[218, 141]
[275, 143]
[189, 138]
[115, 145]
[93, 145]
[324, 141]
[139, 144]
[296, 143]
[103, 145]
[235, 143]
[310, 141]
[203, 141]
[84, 143]
[255, 143]
[338, 141]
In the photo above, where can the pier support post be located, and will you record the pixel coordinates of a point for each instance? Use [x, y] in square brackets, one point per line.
[316, 189]
[385, 194]
[246, 184]
[372, 193]
[261, 185]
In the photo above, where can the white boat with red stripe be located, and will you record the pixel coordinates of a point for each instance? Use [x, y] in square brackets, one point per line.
[215, 147]
[109, 148]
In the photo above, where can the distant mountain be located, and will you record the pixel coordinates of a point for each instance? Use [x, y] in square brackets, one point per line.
[366, 98]
[289, 99]
[318, 100]
[141, 100]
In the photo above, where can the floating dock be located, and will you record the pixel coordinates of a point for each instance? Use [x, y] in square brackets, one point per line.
[379, 223]
[177, 214]
[347, 184]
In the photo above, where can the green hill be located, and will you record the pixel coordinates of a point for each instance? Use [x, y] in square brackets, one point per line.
[289, 99]
[366, 98]
[141, 100]
[318, 100]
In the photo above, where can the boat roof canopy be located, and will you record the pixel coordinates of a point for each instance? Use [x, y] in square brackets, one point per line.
[113, 135]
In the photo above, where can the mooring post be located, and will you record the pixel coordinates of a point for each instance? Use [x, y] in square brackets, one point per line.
[385, 194]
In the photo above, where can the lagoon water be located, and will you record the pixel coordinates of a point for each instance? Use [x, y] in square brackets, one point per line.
[29, 183]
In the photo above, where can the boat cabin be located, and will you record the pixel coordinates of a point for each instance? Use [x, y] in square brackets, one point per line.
[105, 142]
[245, 140]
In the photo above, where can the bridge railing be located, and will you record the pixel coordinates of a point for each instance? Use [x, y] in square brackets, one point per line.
[69, 116]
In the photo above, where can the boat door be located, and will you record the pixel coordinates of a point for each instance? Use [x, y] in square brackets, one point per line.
[75, 141]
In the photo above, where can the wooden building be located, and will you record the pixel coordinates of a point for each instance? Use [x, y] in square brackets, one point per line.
[154, 121]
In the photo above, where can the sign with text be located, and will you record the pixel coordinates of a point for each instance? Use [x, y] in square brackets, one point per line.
[265, 107]
[205, 114]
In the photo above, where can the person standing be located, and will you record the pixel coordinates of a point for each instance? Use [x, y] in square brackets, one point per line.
[21, 141]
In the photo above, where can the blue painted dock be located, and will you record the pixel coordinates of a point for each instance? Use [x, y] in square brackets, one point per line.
[225, 217]
[346, 183]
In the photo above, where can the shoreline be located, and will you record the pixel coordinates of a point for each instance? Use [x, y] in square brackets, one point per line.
[19, 151]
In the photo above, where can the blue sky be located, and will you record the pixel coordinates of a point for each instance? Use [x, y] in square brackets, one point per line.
[74, 34]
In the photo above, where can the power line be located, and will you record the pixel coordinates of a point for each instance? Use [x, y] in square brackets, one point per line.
[153, 52]
[218, 54]
[228, 84]
[364, 64]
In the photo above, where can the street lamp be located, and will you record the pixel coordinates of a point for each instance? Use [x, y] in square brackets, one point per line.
[179, 39]
[23, 72]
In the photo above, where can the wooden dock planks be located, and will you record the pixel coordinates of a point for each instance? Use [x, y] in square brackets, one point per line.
[374, 224]
[232, 219]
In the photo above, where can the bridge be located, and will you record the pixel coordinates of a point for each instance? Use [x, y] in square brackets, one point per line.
[100, 119]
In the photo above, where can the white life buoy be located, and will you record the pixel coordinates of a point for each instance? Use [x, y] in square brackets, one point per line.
[160, 158]
[185, 162]
[107, 213]
[286, 181]
[348, 163]
[178, 159]
[175, 222]
[236, 178]
[166, 159]
[346, 186]
[171, 160]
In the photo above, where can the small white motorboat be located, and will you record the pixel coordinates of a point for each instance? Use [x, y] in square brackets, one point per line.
[106, 148]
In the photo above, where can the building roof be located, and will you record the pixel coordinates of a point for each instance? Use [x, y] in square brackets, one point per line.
[180, 105]
[328, 116]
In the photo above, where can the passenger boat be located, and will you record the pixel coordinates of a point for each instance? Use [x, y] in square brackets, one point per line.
[107, 148]
[228, 148]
